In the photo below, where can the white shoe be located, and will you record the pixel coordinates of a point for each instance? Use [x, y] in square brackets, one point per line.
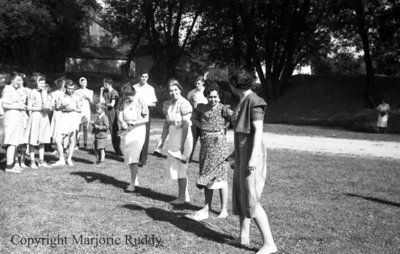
[178, 155]
[44, 165]
[33, 165]
[13, 170]
[23, 165]
[198, 216]
[69, 162]
[59, 163]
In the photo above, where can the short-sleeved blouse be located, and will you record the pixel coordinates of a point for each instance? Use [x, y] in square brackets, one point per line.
[134, 109]
[212, 120]
[251, 108]
[12, 95]
[175, 111]
[38, 99]
[56, 97]
[71, 101]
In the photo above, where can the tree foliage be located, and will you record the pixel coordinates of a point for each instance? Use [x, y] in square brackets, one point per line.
[37, 34]
[166, 25]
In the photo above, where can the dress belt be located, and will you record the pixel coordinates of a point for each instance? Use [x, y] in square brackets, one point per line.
[212, 133]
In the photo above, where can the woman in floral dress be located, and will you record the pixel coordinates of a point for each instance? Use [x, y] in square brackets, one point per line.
[212, 119]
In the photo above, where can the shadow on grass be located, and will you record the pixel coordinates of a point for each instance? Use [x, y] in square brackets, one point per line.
[102, 178]
[198, 228]
[145, 192]
[374, 199]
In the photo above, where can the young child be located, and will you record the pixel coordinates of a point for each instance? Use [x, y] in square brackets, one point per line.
[39, 124]
[100, 127]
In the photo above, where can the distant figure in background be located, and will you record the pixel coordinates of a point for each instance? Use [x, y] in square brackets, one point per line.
[110, 97]
[87, 99]
[148, 95]
[100, 128]
[195, 97]
[383, 117]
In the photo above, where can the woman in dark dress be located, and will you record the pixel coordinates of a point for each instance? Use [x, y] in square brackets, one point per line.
[250, 164]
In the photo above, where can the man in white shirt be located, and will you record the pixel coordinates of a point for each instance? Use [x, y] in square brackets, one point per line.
[148, 95]
[195, 97]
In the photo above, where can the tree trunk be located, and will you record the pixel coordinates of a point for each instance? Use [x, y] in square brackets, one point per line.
[370, 92]
[131, 54]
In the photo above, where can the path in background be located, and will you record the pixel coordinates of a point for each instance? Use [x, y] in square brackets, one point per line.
[313, 144]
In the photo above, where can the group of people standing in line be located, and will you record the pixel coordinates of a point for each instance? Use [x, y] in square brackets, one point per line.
[201, 115]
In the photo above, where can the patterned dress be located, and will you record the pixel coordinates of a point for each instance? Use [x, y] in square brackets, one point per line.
[214, 148]
[247, 185]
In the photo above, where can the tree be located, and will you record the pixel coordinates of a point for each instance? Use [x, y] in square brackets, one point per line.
[270, 37]
[166, 25]
[374, 27]
[37, 34]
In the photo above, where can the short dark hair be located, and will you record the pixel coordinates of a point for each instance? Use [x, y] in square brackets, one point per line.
[69, 82]
[128, 90]
[108, 81]
[60, 82]
[144, 71]
[13, 75]
[200, 78]
[243, 81]
[212, 87]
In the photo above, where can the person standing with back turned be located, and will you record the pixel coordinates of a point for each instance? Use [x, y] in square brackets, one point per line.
[250, 170]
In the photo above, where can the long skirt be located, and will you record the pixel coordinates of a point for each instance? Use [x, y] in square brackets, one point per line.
[213, 168]
[133, 140]
[247, 186]
[176, 167]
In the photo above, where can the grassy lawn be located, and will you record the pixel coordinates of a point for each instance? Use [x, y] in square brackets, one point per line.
[315, 204]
